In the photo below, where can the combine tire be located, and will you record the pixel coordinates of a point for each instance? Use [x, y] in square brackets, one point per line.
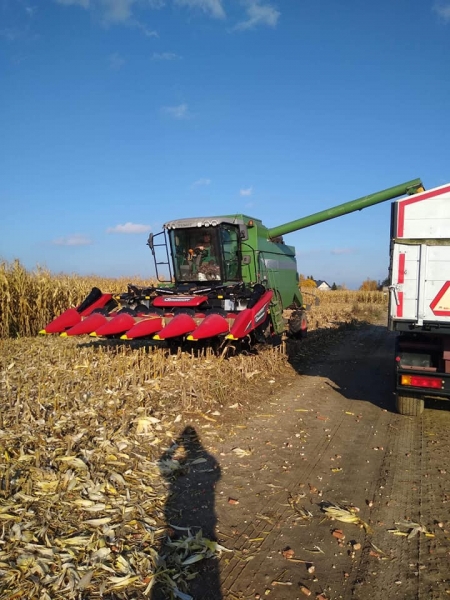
[409, 405]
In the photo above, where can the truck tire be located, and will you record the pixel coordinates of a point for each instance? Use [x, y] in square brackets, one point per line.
[409, 405]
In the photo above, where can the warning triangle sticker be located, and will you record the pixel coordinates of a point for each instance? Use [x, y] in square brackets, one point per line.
[441, 303]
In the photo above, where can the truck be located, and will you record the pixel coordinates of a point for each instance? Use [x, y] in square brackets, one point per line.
[222, 280]
[419, 297]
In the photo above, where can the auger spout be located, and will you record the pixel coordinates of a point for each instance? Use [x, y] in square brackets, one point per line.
[410, 187]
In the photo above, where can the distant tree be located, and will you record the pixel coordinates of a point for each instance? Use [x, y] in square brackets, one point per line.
[369, 285]
[334, 286]
[309, 283]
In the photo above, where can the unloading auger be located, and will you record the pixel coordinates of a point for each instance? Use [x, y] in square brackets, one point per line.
[226, 278]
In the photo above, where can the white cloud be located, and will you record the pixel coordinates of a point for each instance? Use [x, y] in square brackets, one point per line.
[116, 61]
[73, 240]
[117, 11]
[201, 181]
[339, 251]
[246, 191]
[30, 10]
[443, 10]
[83, 3]
[212, 7]
[113, 12]
[145, 30]
[129, 228]
[24, 28]
[10, 34]
[165, 56]
[177, 112]
[120, 11]
[259, 14]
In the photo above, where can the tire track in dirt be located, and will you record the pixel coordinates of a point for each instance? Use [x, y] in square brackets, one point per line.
[244, 579]
[270, 529]
[434, 553]
[388, 568]
[416, 487]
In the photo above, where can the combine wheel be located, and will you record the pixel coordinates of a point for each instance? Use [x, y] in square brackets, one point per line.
[298, 324]
[263, 333]
[409, 405]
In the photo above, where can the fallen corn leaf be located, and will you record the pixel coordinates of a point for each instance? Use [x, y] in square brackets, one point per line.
[241, 452]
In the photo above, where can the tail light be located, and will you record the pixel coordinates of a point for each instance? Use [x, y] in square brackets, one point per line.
[422, 381]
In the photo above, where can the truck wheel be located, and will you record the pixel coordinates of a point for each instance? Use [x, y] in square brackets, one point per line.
[409, 405]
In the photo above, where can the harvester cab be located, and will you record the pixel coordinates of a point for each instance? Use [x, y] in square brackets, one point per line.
[202, 249]
[226, 278]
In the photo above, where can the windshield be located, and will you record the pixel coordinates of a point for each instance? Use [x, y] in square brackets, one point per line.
[206, 254]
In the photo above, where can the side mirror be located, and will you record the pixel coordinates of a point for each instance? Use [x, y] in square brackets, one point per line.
[243, 232]
[150, 242]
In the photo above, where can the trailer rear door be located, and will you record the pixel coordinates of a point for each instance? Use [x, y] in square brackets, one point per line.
[420, 290]
[434, 291]
[404, 289]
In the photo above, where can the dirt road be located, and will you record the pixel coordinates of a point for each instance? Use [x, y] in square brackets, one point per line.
[332, 435]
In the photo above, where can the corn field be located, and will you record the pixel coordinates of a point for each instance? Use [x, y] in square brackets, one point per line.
[31, 299]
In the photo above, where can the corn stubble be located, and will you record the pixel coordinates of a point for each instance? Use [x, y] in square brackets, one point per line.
[83, 426]
[82, 488]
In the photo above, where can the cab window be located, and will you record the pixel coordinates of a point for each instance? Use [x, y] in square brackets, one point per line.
[196, 254]
[230, 246]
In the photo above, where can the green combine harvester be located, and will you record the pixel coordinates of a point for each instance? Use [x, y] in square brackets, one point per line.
[225, 279]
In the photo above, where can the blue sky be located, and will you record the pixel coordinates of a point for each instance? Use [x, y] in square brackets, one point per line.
[118, 115]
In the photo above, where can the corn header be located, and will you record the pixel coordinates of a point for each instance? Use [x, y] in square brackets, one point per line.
[220, 279]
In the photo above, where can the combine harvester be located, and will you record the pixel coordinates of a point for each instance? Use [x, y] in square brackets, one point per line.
[222, 280]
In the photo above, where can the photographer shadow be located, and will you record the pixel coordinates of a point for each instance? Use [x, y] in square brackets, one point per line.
[190, 508]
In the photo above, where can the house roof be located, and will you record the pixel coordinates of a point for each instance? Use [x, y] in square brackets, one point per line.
[320, 281]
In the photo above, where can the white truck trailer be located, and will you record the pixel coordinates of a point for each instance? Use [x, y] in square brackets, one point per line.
[419, 298]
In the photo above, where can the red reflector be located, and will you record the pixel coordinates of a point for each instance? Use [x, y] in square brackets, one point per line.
[429, 382]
